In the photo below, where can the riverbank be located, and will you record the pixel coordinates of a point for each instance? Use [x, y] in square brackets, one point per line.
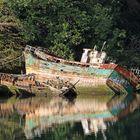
[7, 91]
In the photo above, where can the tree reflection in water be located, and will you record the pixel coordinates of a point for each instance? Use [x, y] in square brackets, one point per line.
[57, 118]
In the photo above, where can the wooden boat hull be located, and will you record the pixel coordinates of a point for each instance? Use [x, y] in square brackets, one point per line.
[116, 77]
[14, 84]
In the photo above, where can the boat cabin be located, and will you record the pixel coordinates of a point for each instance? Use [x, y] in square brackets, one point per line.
[93, 56]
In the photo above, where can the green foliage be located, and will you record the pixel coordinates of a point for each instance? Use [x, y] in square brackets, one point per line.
[10, 39]
[14, 90]
[10, 128]
[65, 27]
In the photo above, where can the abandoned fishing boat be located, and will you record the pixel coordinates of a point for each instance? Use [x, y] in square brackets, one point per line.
[61, 87]
[23, 82]
[91, 71]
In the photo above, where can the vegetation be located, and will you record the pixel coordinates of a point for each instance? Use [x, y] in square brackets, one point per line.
[94, 90]
[65, 27]
[10, 40]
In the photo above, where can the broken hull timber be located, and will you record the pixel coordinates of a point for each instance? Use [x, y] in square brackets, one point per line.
[20, 84]
[46, 67]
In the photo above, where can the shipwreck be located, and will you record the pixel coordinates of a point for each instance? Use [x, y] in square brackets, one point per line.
[91, 71]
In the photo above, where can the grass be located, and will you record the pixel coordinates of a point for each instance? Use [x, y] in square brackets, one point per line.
[82, 91]
[95, 90]
[14, 90]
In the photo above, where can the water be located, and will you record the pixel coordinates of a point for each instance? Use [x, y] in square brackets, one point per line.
[54, 118]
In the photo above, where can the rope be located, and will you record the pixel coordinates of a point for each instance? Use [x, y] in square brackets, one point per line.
[17, 58]
[7, 24]
[5, 59]
[5, 51]
[136, 71]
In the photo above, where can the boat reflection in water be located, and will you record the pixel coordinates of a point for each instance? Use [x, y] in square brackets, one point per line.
[41, 114]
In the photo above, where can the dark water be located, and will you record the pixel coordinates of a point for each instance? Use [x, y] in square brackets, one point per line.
[82, 118]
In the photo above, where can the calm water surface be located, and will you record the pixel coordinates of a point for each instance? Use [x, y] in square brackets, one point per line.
[83, 118]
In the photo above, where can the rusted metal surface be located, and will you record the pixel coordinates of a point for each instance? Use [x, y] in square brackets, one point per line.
[128, 74]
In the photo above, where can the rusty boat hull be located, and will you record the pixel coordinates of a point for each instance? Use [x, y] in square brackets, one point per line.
[47, 66]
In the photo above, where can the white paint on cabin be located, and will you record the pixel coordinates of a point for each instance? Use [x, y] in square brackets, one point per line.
[102, 58]
[93, 56]
[84, 58]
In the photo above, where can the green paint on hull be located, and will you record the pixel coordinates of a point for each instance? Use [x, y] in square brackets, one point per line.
[47, 67]
[44, 65]
[122, 81]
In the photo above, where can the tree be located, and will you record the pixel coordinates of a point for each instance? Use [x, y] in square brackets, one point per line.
[65, 27]
[10, 40]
